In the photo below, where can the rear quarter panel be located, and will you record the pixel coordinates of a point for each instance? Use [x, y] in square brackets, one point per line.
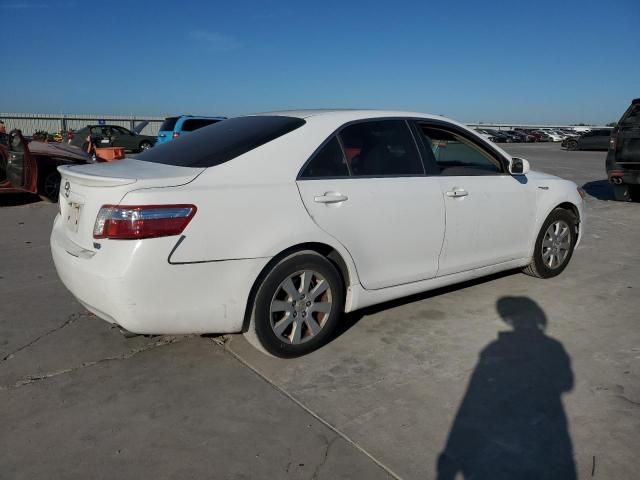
[249, 207]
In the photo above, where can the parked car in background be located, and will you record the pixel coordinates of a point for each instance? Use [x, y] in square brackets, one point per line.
[271, 224]
[596, 139]
[623, 157]
[33, 167]
[522, 136]
[114, 136]
[486, 136]
[553, 136]
[499, 137]
[174, 127]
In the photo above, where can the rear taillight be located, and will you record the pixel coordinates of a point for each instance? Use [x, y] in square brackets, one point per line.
[176, 134]
[612, 142]
[125, 222]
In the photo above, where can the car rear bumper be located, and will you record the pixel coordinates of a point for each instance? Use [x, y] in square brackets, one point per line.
[131, 283]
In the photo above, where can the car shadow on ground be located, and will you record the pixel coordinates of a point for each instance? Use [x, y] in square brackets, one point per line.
[600, 189]
[511, 422]
[17, 199]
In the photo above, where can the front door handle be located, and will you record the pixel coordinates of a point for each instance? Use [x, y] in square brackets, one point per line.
[330, 197]
[458, 192]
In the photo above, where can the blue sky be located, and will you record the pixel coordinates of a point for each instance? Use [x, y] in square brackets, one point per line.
[528, 61]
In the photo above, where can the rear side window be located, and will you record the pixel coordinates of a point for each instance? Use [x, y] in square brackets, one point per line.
[222, 141]
[328, 162]
[169, 124]
[196, 123]
[381, 148]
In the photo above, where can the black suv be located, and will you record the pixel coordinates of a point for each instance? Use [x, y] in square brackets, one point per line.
[596, 139]
[623, 157]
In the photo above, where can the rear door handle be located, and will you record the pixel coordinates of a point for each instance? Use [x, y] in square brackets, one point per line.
[458, 192]
[330, 197]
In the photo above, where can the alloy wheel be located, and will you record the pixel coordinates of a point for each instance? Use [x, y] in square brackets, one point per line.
[556, 244]
[301, 307]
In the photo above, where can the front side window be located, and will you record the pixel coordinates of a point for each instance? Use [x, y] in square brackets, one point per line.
[455, 155]
[120, 131]
[328, 162]
[381, 148]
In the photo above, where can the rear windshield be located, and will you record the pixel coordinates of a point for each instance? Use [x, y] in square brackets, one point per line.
[196, 123]
[221, 142]
[632, 116]
[168, 124]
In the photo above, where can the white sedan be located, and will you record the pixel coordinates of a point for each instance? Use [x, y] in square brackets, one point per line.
[275, 224]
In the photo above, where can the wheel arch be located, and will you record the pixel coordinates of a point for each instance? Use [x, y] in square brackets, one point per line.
[323, 249]
[568, 206]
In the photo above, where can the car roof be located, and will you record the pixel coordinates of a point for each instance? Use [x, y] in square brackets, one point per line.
[198, 116]
[343, 114]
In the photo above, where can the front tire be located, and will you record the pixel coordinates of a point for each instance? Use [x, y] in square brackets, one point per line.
[297, 306]
[554, 245]
[572, 145]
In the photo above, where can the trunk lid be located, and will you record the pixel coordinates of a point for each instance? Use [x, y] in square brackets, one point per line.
[85, 188]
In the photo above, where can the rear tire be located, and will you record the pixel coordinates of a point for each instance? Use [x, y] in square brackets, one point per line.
[626, 193]
[145, 146]
[297, 306]
[49, 186]
[553, 249]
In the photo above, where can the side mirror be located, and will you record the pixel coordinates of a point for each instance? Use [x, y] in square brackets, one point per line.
[518, 166]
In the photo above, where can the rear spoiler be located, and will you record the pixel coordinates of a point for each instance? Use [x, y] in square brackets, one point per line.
[89, 180]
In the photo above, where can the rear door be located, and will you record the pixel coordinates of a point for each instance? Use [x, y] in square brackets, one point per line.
[21, 168]
[366, 187]
[601, 139]
[489, 213]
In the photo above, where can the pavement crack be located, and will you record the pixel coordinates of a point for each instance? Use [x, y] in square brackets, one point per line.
[72, 318]
[628, 400]
[226, 347]
[316, 473]
[30, 379]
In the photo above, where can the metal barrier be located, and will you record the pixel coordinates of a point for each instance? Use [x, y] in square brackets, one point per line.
[30, 123]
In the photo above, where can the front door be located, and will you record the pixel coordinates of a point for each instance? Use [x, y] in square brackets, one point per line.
[367, 188]
[121, 137]
[489, 213]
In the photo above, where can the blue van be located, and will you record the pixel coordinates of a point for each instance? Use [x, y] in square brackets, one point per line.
[174, 127]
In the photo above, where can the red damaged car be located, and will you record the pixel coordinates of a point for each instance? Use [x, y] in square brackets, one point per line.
[33, 167]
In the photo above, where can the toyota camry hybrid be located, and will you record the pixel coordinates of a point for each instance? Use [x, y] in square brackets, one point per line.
[276, 224]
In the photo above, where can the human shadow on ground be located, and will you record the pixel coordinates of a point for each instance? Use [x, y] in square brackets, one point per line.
[511, 423]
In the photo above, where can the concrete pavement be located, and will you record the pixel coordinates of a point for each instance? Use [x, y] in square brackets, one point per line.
[484, 378]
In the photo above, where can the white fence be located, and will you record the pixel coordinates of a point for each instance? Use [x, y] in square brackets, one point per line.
[30, 123]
